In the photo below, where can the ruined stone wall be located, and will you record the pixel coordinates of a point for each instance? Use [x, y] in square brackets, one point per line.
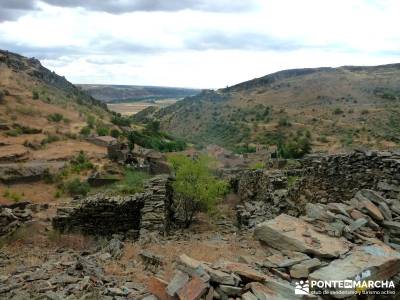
[339, 177]
[323, 178]
[102, 214]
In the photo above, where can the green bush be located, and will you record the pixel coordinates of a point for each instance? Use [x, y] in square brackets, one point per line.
[244, 149]
[14, 196]
[153, 126]
[35, 95]
[50, 139]
[156, 141]
[133, 182]
[284, 122]
[56, 117]
[120, 120]
[295, 147]
[90, 120]
[75, 187]
[102, 130]
[195, 187]
[338, 111]
[85, 131]
[81, 162]
[115, 133]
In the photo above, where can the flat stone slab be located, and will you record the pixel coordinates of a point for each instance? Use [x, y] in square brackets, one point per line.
[373, 262]
[290, 233]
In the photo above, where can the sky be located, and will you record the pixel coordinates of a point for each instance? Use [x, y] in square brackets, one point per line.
[200, 44]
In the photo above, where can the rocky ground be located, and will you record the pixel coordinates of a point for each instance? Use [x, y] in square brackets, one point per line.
[339, 220]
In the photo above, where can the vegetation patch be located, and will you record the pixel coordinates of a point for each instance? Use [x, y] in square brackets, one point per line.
[196, 187]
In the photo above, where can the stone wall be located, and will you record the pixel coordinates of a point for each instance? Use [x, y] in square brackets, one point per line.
[339, 177]
[105, 215]
[264, 195]
[323, 178]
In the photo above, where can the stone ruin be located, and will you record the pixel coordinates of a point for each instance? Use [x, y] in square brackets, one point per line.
[321, 179]
[142, 159]
[128, 215]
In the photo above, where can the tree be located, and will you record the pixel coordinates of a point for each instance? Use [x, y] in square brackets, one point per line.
[153, 126]
[196, 188]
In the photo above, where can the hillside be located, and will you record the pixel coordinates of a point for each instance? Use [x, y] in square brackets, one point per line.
[42, 116]
[130, 93]
[334, 108]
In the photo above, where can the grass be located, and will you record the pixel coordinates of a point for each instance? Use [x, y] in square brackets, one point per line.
[292, 180]
[14, 196]
[56, 117]
[257, 166]
[28, 111]
[132, 182]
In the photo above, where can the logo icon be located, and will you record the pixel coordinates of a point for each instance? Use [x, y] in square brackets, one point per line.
[302, 288]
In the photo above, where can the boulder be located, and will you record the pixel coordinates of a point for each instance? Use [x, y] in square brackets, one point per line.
[193, 290]
[304, 268]
[290, 233]
[375, 262]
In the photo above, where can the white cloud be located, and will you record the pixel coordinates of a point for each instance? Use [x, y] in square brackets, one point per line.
[200, 48]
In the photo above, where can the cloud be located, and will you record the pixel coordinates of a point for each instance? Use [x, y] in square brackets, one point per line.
[13, 9]
[124, 6]
[242, 40]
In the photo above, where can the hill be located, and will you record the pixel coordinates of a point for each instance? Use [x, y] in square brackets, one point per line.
[131, 93]
[42, 121]
[333, 109]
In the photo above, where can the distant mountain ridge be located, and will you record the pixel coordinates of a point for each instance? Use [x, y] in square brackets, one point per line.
[338, 108]
[129, 93]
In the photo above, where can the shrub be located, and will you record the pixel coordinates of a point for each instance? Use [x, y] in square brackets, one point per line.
[14, 196]
[133, 182]
[56, 117]
[50, 139]
[120, 120]
[115, 133]
[155, 141]
[85, 131]
[257, 165]
[35, 95]
[244, 149]
[284, 122]
[294, 147]
[2, 94]
[102, 130]
[365, 112]
[323, 139]
[75, 187]
[90, 120]
[153, 126]
[81, 162]
[195, 187]
[338, 111]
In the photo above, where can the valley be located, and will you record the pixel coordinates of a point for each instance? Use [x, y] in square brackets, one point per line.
[236, 193]
[131, 108]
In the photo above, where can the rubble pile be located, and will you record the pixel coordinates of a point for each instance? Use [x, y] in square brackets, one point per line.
[195, 279]
[13, 216]
[366, 217]
[70, 275]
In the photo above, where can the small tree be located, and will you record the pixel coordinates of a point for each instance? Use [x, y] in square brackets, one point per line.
[196, 188]
[153, 126]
